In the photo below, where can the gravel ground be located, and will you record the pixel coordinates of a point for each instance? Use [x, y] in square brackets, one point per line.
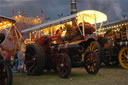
[105, 76]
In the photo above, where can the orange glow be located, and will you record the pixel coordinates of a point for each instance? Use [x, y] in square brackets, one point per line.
[28, 20]
[5, 24]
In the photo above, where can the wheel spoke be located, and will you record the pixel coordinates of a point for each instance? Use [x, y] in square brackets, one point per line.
[29, 62]
[91, 63]
[63, 65]
[31, 68]
[124, 53]
[96, 51]
[30, 59]
[93, 47]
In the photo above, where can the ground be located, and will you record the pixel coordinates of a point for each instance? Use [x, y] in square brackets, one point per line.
[105, 76]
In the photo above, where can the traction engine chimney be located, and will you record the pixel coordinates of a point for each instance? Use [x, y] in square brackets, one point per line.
[73, 7]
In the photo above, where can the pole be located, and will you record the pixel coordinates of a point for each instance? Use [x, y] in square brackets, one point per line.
[30, 36]
[95, 24]
[83, 27]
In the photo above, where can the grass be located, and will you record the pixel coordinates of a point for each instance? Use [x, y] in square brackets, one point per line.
[105, 76]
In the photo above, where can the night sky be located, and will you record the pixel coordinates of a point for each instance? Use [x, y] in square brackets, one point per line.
[51, 8]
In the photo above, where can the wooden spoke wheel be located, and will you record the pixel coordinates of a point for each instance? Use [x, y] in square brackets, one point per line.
[95, 47]
[34, 59]
[92, 62]
[63, 65]
[5, 74]
[123, 57]
[92, 58]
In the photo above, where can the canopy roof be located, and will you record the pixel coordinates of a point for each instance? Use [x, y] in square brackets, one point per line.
[6, 22]
[90, 16]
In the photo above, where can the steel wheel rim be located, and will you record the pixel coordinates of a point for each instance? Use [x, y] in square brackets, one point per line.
[4, 74]
[62, 65]
[123, 58]
[30, 59]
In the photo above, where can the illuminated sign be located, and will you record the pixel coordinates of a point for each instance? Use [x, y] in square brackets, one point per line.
[28, 20]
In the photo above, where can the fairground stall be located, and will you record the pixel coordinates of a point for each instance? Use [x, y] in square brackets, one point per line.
[63, 43]
[13, 39]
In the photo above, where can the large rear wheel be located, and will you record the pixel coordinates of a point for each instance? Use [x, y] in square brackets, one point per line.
[63, 65]
[34, 59]
[123, 57]
[5, 74]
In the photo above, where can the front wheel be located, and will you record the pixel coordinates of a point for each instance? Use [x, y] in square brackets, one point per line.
[5, 74]
[92, 62]
[63, 65]
[92, 57]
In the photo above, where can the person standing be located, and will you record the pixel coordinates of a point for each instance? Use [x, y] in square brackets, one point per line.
[21, 57]
[16, 61]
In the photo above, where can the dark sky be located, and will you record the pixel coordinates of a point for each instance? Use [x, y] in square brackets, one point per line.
[113, 8]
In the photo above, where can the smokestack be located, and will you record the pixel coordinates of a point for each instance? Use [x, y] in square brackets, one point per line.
[73, 7]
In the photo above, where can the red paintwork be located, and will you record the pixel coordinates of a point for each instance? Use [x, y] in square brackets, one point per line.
[56, 38]
[89, 29]
[93, 37]
[107, 45]
[118, 35]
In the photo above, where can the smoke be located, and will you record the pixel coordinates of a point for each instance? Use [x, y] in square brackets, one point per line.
[110, 7]
[116, 7]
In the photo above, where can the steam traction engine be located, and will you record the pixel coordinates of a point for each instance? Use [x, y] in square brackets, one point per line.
[78, 46]
[116, 46]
